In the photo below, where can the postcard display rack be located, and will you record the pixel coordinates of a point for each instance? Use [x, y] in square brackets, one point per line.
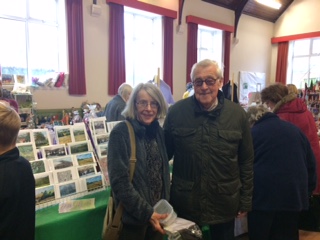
[66, 163]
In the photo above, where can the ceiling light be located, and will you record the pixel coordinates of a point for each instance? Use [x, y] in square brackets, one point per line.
[270, 3]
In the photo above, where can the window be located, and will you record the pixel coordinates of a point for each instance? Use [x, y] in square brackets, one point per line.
[210, 43]
[33, 41]
[143, 45]
[304, 62]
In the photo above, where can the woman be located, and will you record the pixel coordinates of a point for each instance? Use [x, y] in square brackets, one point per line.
[151, 180]
[292, 109]
[284, 176]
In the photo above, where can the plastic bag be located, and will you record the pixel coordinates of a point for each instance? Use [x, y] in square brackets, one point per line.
[183, 229]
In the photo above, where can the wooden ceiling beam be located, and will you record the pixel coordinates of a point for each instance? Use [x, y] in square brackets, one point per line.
[237, 12]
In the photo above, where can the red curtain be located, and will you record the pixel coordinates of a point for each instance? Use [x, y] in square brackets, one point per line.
[117, 66]
[227, 42]
[282, 62]
[77, 75]
[168, 51]
[192, 55]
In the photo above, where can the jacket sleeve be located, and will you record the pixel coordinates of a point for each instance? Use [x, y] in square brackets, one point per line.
[246, 157]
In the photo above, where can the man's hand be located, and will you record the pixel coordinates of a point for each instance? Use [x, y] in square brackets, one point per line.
[241, 214]
[155, 218]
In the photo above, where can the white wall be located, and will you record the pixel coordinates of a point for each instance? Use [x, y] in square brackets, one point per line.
[253, 52]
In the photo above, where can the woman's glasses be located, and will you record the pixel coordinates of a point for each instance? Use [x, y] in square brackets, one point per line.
[145, 104]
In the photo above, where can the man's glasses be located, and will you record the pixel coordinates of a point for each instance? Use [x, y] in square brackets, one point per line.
[145, 104]
[209, 81]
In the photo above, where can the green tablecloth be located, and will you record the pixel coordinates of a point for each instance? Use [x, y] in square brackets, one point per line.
[80, 225]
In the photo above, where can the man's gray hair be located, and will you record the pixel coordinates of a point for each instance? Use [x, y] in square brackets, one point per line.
[203, 64]
[124, 90]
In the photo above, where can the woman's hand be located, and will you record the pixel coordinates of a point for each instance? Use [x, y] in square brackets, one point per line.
[154, 220]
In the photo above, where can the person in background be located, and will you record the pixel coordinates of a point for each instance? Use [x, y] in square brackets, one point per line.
[292, 109]
[189, 90]
[114, 108]
[209, 139]
[284, 176]
[17, 184]
[151, 180]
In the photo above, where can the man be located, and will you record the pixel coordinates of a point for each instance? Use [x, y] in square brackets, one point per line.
[209, 137]
[115, 107]
[284, 170]
[17, 185]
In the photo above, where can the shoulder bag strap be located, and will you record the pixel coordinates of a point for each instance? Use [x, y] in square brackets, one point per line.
[133, 160]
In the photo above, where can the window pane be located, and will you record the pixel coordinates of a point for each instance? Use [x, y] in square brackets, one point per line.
[13, 47]
[143, 46]
[43, 50]
[36, 8]
[300, 69]
[315, 67]
[210, 43]
[9, 7]
[301, 47]
[316, 46]
[36, 42]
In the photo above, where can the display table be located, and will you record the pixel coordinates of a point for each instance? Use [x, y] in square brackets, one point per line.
[79, 225]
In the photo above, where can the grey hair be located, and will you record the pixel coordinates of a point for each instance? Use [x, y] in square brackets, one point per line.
[130, 110]
[124, 90]
[203, 64]
[254, 113]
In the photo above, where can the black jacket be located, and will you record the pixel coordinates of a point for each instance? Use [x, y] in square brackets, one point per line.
[17, 197]
[284, 166]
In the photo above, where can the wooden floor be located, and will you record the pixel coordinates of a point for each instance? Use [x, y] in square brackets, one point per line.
[303, 235]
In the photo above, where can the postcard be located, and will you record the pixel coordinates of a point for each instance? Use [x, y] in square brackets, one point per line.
[110, 125]
[24, 136]
[63, 134]
[98, 125]
[20, 79]
[45, 194]
[94, 182]
[53, 151]
[101, 139]
[43, 179]
[102, 150]
[39, 166]
[64, 175]
[61, 162]
[27, 150]
[86, 170]
[76, 205]
[79, 132]
[41, 137]
[66, 189]
[78, 147]
[84, 158]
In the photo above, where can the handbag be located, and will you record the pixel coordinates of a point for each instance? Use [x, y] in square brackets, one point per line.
[112, 224]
